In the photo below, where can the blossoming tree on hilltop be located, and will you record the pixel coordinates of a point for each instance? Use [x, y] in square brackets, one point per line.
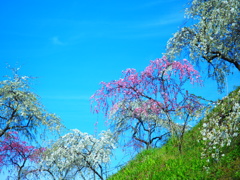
[214, 38]
[150, 104]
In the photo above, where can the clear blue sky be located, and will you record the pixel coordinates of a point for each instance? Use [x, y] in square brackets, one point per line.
[74, 45]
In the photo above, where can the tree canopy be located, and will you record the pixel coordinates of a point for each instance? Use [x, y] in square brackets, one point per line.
[150, 103]
[213, 37]
[21, 111]
[78, 154]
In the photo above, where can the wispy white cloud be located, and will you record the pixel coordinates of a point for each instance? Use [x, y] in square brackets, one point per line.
[150, 4]
[67, 97]
[161, 22]
[56, 41]
[78, 31]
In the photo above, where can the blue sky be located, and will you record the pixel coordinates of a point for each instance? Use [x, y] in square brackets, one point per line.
[71, 46]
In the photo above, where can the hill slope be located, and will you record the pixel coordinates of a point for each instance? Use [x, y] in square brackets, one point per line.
[168, 163]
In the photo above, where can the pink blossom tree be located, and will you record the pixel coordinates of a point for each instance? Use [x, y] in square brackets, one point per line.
[19, 158]
[151, 104]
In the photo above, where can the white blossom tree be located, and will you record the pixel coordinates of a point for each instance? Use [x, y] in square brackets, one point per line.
[214, 37]
[78, 154]
[21, 111]
[221, 126]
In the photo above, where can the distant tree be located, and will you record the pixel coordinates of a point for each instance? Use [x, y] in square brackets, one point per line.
[17, 157]
[214, 37]
[78, 154]
[21, 111]
[150, 104]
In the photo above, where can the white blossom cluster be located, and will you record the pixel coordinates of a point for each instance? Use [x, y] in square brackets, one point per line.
[78, 153]
[213, 38]
[21, 110]
[221, 127]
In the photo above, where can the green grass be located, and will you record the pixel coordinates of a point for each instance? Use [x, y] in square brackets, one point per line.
[168, 163]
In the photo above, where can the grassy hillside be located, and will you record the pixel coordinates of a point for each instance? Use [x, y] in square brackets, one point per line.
[167, 163]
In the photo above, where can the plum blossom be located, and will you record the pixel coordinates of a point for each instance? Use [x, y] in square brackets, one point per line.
[77, 154]
[151, 99]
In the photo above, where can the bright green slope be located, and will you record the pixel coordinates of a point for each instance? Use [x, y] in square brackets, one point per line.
[167, 163]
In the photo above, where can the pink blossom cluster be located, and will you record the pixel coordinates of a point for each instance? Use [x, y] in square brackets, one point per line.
[13, 151]
[159, 86]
